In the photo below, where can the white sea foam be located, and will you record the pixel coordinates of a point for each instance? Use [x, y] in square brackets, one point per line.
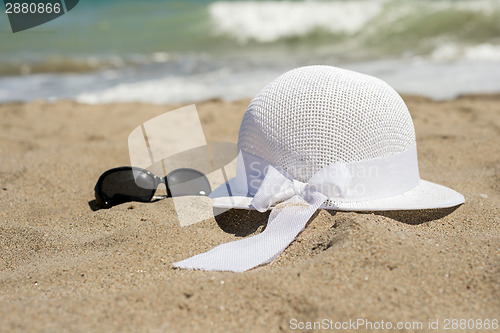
[223, 83]
[453, 52]
[451, 70]
[423, 76]
[438, 80]
[483, 52]
[272, 20]
[269, 21]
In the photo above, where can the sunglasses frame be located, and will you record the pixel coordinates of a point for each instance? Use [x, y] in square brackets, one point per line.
[103, 201]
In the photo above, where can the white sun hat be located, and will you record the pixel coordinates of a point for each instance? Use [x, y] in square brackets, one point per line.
[320, 137]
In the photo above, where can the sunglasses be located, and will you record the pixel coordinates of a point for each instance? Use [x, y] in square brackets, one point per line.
[126, 184]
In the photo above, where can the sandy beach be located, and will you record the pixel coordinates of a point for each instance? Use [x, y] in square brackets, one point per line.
[67, 268]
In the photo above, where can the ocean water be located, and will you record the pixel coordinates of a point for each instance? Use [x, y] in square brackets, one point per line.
[186, 51]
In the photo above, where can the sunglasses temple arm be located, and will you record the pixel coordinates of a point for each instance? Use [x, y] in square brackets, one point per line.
[226, 181]
[164, 179]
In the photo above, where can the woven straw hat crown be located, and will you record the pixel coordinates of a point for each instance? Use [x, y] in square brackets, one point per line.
[311, 117]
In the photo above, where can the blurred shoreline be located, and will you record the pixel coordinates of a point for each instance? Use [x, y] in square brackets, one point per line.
[177, 52]
[243, 102]
[196, 79]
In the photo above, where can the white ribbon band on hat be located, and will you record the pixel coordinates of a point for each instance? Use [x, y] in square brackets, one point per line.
[394, 175]
[370, 179]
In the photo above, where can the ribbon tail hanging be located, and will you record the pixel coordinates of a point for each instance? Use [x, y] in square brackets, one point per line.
[286, 221]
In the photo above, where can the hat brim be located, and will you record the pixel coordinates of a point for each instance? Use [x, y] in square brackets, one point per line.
[426, 195]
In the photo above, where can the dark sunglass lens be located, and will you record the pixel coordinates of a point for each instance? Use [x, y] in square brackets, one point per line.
[121, 186]
[186, 181]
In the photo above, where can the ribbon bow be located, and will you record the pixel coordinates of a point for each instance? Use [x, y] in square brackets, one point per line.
[297, 203]
[332, 181]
